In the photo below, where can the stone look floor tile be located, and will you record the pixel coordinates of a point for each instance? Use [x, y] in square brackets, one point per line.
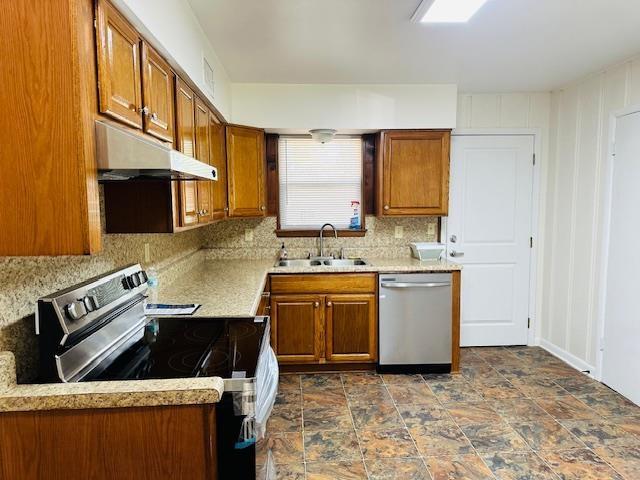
[289, 396]
[329, 397]
[321, 381]
[376, 417]
[352, 379]
[413, 394]
[368, 395]
[397, 468]
[600, 433]
[455, 391]
[462, 467]
[579, 464]
[519, 410]
[630, 424]
[391, 379]
[519, 466]
[539, 387]
[327, 418]
[440, 438]
[330, 446]
[395, 443]
[566, 408]
[472, 413]
[546, 435]
[626, 460]
[285, 417]
[282, 472]
[286, 448]
[497, 437]
[288, 382]
[582, 386]
[481, 373]
[610, 405]
[336, 471]
[417, 415]
[498, 389]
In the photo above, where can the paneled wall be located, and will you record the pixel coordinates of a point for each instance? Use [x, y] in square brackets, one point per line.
[573, 228]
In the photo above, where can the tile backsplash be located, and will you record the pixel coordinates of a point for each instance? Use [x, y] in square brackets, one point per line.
[227, 239]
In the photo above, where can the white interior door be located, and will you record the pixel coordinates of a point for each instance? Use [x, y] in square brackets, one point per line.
[621, 355]
[488, 231]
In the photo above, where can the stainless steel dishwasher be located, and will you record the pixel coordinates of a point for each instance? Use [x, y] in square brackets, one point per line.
[415, 323]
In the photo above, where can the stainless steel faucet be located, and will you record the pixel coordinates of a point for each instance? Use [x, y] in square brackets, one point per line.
[335, 233]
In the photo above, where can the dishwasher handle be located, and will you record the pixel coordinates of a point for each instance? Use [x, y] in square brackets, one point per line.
[414, 284]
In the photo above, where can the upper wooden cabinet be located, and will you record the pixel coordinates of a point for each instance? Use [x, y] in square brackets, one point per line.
[119, 82]
[157, 95]
[413, 172]
[185, 118]
[218, 159]
[49, 202]
[203, 153]
[245, 171]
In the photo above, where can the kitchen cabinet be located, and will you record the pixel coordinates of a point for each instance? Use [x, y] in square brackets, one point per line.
[157, 95]
[351, 328]
[324, 319]
[246, 171]
[49, 202]
[218, 159]
[203, 153]
[186, 143]
[413, 173]
[296, 326]
[119, 85]
[144, 443]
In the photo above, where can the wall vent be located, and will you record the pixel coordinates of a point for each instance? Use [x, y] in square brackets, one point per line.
[208, 76]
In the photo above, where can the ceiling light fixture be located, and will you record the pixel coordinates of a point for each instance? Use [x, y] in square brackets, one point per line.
[322, 135]
[447, 11]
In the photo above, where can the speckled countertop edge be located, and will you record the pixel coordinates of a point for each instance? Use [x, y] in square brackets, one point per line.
[134, 393]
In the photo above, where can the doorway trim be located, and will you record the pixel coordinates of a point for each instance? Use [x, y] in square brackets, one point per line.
[537, 217]
[606, 226]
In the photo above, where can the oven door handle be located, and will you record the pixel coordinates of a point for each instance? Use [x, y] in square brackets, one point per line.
[415, 284]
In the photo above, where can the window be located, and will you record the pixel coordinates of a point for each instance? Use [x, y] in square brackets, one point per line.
[319, 182]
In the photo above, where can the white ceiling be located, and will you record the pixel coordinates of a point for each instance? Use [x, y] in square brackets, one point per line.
[510, 45]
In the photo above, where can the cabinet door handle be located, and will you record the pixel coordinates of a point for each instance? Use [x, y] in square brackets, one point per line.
[316, 304]
[386, 207]
[144, 110]
[263, 208]
[329, 304]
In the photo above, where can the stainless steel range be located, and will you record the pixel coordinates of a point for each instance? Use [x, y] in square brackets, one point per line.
[98, 330]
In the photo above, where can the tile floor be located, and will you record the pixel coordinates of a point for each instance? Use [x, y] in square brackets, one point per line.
[512, 413]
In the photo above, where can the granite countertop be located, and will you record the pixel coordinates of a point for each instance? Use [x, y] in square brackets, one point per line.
[232, 288]
[133, 393]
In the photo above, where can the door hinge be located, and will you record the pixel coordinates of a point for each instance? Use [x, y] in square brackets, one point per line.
[530, 242]
[528, 322]
[534, 158]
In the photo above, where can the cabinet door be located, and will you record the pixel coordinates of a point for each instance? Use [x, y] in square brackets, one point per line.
[218, 158]
[245, 172]
[351, 328]
[157, 95]
[186, 137]
[296, 328]
[119, 82]
[203, 150]
[414, 173]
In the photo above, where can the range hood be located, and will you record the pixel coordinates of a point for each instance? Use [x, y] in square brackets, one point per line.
[123, 155]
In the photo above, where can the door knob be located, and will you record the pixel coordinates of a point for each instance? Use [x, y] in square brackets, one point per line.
[457, 254]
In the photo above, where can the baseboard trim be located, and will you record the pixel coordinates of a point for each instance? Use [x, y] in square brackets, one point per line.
[567, 357]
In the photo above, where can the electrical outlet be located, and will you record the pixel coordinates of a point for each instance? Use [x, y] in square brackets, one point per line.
[147, 253]
[431, 229]
[399, 233]
[248, 235]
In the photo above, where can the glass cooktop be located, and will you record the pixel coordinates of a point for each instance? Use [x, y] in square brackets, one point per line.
[179, 347]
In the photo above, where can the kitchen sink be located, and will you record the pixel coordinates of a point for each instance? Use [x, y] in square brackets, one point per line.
[302, 262]
[330, 262]
[344, 262]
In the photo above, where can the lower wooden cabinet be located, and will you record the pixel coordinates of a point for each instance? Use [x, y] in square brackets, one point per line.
[324, 327]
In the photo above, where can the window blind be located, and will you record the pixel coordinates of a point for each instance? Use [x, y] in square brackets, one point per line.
[318, 181]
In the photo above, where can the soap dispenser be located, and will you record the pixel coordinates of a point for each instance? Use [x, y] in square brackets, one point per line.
[283, 252]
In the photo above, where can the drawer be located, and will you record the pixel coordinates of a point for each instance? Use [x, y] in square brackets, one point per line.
[324, 283]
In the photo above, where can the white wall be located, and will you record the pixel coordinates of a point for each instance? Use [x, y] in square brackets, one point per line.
[173, 29]
[290, 107]
[514, 112]
[572, 268]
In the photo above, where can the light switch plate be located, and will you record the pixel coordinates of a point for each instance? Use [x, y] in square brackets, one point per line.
[147, 253]
[399, 233]
[431, 229]
[248, 235]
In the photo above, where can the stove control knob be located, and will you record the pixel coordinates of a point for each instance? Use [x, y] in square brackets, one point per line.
[134, 280]
[90, 303]
[75, 310]
[142, 275]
